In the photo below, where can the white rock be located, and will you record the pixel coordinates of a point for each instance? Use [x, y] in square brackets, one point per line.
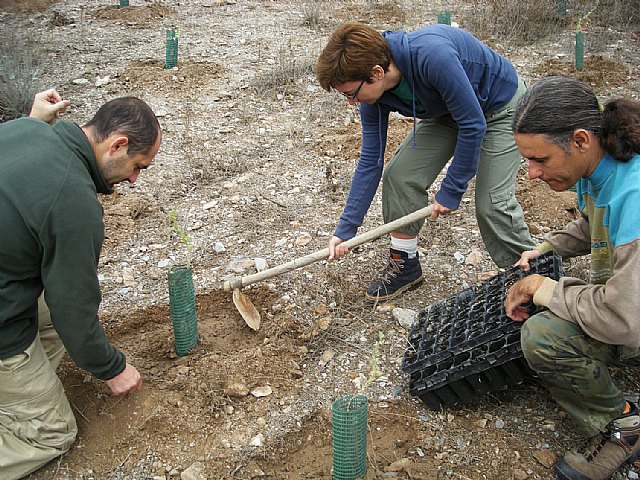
[404, 316]
[194, 472]
[80, 81]
[128, 278]
[474, 258]
[261, 264]
[326, 357]
[303, 239]
[262, 391]
[218, 247]
[257, 441]
[398, 465]
[102, 81]
[324, 323]
[236, 389]
[459, 257]
[385, 307]
[241, 265]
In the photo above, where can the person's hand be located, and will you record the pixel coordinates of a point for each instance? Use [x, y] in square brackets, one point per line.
[519, 294]
[527, 255]
[439, 209]
[126, 381]
[337, 249]
[47, 106]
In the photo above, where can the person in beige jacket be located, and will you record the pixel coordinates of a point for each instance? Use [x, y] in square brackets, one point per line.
[569, 139]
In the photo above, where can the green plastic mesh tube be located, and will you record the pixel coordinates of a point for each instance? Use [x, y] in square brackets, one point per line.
[444, 17]
[183, 308]
[579, 51]
[349, 428]
[561, 7]
[124, 3]
[171, 59]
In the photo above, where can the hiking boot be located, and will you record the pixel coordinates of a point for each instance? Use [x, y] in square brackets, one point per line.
[620, 443]
[400, 275]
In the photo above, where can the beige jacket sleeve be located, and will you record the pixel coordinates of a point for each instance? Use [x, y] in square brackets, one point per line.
[609, 313]
[572, 241]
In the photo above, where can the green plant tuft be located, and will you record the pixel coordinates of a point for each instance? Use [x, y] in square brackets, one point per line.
[184, 238]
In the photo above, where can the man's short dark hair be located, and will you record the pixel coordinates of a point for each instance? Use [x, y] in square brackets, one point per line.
[128, 116]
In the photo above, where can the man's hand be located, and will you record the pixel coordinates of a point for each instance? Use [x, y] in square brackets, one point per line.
[336, 249]
[439, 209]
[520, 293]
[47, 105]
[126, 381]
[523, 263]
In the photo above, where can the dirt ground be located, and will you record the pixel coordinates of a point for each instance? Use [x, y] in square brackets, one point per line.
[256, 162]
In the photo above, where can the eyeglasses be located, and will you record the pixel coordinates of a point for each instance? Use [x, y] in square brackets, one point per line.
[354, 95]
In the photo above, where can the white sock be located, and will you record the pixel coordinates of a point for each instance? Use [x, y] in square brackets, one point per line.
[409, 245]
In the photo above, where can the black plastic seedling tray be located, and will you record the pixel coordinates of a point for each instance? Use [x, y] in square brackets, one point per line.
[465, 346]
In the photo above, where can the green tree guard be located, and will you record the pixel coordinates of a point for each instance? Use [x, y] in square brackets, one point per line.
[444, 17]
[561, 7]
[171, 59]
[579, 50]
[183, 308]
[349, 427]
[124, 3]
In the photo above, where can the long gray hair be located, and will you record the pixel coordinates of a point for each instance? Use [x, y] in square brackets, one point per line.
[557, 106]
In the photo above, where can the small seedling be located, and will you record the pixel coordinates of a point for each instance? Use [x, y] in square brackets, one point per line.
[184, 238]
[374, 371]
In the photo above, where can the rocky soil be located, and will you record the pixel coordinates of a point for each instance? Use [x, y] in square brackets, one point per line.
[256, 163]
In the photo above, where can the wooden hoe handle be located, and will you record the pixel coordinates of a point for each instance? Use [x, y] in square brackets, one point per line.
[240, 282]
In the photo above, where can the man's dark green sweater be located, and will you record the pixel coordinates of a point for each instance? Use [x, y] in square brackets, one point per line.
[50, 238]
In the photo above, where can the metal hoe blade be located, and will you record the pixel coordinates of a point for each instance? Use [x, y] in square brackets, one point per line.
[249, 313]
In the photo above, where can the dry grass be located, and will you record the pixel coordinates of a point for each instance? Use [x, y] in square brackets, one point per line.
[20, 74]
[514, 21]
[519, 22]
[617, 14]
[312, 15]
[287, 72]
